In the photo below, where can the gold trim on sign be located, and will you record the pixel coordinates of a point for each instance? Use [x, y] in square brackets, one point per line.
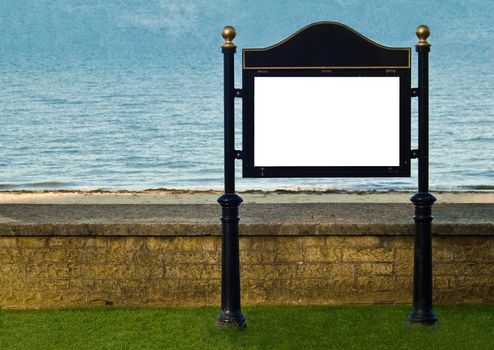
[326, 67]
[329, 67]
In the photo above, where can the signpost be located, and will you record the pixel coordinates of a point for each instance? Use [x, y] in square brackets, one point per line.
[325, 102]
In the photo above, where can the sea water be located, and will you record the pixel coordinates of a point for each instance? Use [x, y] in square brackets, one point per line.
[129, 95]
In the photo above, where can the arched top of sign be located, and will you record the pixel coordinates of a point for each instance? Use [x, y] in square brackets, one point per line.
[326, 45]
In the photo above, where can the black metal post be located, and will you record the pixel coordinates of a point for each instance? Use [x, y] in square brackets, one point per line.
[422, 270]
[231, 316]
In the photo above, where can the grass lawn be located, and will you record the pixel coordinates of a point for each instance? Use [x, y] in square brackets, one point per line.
[269, 327]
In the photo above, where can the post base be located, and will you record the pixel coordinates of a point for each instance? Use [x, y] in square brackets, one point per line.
[231, 320]
[423, 199]
[426, 318]
[230, 200]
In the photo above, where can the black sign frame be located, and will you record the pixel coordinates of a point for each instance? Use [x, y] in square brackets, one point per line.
[326, 49]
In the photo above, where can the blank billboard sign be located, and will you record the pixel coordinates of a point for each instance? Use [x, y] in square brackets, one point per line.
[317, 121]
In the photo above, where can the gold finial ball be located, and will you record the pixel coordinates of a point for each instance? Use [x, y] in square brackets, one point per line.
[229, 33]
[423, 32]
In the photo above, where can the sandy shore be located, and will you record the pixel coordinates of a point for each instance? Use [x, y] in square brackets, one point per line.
[209, 197]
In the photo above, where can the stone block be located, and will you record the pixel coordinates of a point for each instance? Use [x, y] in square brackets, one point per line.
[187, 244]
[353, 241]
[374, 268]
[404, 284]
[10, 255]
[322, 253]
[474, 254]
[314, 241]
[265, 244]
[288, 249]
[265, 271]
[311, 270]
[257, 257]
[158, 243]
[210, 244]
[443, 253]
[8, 242]
[443, 282]
[254, 296]
[403, 261]
[70, 297]
[376, 283]
[367, 254]
[32, 242]
[211, 257]
[463, 268]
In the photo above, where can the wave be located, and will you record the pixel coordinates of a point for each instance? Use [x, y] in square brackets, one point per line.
[39, 185]
[479, 187]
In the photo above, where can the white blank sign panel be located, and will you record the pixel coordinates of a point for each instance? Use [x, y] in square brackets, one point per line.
[326, 121]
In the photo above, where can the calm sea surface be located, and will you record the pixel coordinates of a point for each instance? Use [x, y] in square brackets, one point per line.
[129, 96]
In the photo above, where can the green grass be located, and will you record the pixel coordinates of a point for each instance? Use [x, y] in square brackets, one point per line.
[275, 327]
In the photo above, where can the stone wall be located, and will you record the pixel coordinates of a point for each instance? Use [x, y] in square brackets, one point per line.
[145, 270]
